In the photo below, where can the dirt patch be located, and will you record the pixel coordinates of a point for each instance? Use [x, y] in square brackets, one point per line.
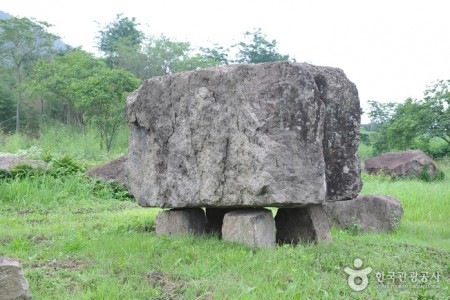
[172, 286]
[37, 238]
[65, 264]
[6, 240]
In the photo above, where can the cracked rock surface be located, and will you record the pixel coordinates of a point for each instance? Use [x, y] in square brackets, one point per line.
[273, 134]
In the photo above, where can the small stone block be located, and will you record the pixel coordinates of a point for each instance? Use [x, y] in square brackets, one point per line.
[181, 221]
[304, 224]
[253, 227]
[366, 213]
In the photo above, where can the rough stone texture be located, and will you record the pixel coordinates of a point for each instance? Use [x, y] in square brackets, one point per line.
[368, 213]
[274, 134]
[8, 162]
[13, 284]
[403, 164]
[113, 170]
[181, 221]
[253, 227]
[214, 219]
[304, 224]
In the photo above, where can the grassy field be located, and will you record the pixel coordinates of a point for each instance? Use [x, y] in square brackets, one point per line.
[77, 239]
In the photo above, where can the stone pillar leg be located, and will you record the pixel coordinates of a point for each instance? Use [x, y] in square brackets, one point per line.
[181, 221]
[304, 224]
[253, 227]
[214, 219]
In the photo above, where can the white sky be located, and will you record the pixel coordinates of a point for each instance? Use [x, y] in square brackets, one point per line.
[391, 49]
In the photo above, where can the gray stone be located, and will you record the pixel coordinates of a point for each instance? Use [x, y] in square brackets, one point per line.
[113, 170]
[302, 224]
[214, 219]
[181, 221]
[411, 163]
[274, 134]
[10, 161]
[367, 213]
[253, 227]
[13, 284]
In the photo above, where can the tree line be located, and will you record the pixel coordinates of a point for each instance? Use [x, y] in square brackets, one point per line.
[40, 82]
[413, 124]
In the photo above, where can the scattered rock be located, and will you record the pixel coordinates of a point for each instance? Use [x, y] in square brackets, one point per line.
[253, 227]
[402, 164]
[274, 134]
[8, 162]
[181, 221]
[13, 284]
[113, 170]
[303, 224]
[367, 213]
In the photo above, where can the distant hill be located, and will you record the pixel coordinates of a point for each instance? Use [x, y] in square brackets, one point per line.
[58, 44]
[4, 15]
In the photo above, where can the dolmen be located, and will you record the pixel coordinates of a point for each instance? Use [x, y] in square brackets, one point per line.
[239, 139]
[218, 148]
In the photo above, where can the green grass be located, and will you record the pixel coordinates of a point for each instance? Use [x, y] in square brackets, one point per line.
[79, 240]
[74, 141]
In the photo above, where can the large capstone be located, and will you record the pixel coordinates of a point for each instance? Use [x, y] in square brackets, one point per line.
[274, 134]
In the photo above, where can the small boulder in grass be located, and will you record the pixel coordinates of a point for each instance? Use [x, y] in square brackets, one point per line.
[11, 161]
[13, 284]
[113, 170]
[366, 213]
[411, 163]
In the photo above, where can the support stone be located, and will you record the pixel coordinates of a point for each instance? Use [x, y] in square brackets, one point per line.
[181, 221]
[253, 227]
[304, 224]
[214, 219]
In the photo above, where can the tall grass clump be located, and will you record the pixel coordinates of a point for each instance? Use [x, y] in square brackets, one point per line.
[61, 183]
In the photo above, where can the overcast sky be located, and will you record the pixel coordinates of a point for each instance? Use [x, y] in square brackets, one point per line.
[390, 49]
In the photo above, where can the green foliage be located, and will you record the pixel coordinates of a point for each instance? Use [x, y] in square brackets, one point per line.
[256, 48]
[166, 56]
[22, 41]
[87, 84]
[414, 124]
[56, 82]
[121, 31]
[56, 137]
[102, 97]
[216, 53]
[7, 113]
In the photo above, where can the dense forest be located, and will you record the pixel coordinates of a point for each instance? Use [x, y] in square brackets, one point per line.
[43, 81]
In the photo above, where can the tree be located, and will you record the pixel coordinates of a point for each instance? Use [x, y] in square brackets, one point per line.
[119, 33]
[414, 123]
[256, 48]
[381, 113]
[166, 56]
[216, 53]
[102, 97]
[6, 108]
[132, 59]
[58, 77]
[437, 104]
[22, 41]
[96, 91]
